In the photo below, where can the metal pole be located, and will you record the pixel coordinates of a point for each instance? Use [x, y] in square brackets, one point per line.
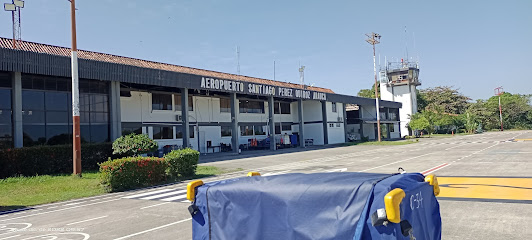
[376, 95]
[500, 112]
[14, 30]
[75, 95]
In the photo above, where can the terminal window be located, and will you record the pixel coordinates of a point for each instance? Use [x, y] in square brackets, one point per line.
[161, 101]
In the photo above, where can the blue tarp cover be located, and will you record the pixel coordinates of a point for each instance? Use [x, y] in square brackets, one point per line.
[301, 206]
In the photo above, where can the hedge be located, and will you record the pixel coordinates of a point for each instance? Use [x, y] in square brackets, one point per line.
[182, 163]
[132, 172]
[54, 159]
[134, 145]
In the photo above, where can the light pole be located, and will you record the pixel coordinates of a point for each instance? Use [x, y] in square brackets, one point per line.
[499, 91]
[76, 139]
[14, 7]
[373, 38]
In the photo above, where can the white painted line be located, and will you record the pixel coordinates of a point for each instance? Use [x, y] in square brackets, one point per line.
[153, 229]
[164, 194]
[76, 203]
[10, 237]
[155, 205]
[338, 170]
[434, 169]
[276, 173]
[87, 220]
[185, 201]
[41, 213]
[174, 198]
[149, 193]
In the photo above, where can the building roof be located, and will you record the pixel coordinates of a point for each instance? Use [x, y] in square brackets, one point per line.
[104, 57]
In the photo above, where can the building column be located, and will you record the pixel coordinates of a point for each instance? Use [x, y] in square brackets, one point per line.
[16, 102]
[116, 119]
[271, 123]
[301, 123]
[324, 120]
[344, 112]
[234, 123]
[184, 118]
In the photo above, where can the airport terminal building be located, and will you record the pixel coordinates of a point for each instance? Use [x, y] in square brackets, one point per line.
[177, 106]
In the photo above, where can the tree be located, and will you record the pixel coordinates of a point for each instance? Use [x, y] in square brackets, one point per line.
[516, 112]
[443, 99]
[418, 122]
[369, 93]
[134, 145]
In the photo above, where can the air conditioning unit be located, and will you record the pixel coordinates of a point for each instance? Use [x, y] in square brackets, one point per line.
[178, 118]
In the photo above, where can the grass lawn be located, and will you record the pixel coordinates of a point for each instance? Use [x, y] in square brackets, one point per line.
[20, 192]
[383, 143]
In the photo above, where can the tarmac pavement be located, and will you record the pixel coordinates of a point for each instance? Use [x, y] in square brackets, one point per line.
[485, 179]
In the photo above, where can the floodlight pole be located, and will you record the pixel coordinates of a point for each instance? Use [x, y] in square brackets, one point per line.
[499, 91]
[75, 95]
[373, 38]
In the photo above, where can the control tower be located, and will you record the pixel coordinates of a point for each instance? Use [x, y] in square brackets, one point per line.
[398, 82]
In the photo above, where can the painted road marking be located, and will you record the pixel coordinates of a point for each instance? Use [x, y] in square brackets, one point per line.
[153, 229]
[164, 194]
[14, 236]
[170, 199]
[159, 204]
[149, 193]
[434, 169]
[87, 220]
[490, 188]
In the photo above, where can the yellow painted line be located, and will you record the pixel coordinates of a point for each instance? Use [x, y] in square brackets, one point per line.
[486, 188]
[524, 139]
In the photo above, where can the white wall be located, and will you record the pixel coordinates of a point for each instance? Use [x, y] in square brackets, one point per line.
[137, 108]
[405, 94]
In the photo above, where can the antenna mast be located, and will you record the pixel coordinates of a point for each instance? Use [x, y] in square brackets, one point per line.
[238, 60]
[14, 7]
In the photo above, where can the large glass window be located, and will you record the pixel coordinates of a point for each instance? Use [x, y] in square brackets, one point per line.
[179, 132]
[334, 107]
[163, 132]
[47, 110]
[225, 105]
[130, 127]
[281, 108]
[249, 106]
[226, 131]
[161, 101]
[6, 127]
[246, 130]
[394, 113]
[178, 103]
[282, 127]
[260, 129]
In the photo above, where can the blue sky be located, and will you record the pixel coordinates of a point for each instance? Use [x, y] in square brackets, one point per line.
[472, 45]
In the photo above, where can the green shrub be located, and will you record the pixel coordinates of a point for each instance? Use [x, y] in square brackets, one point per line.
[134, 145]
[182, 163]
[54, 159]
[132, 172]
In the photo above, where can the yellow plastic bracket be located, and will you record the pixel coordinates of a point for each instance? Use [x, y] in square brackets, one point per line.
[433, 181]
[251, 174]
[191, 189]
[392, 200]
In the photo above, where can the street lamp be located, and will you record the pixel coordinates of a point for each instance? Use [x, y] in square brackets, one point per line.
[373, 38]
[76, 139]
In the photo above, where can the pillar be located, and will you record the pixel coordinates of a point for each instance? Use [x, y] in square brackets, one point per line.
[301, 123]
[16, 102]
[234, 123]
[271, 122]
[184, 118]
[116, 119]
[344, 112]
[324, 120]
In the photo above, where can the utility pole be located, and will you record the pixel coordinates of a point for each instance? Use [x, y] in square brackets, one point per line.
[499, 91]
[373, 38]
[76, 139]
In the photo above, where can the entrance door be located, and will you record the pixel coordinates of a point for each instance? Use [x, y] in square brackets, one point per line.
[202, 142]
